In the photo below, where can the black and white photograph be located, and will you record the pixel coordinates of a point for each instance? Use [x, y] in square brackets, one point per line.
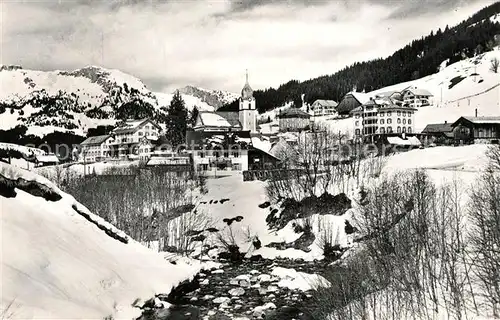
[250, 159]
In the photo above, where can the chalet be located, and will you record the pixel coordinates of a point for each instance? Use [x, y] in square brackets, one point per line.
[351, 101]
[415, 97]
[438, 133]
[324, 107]
[381, 116]
[46, 159]
[216, 153]
[477, 129]
[127, 136]
[294, 119]
[95, 148]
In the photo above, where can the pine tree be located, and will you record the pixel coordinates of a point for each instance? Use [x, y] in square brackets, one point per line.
[176, 120]
[193, 116]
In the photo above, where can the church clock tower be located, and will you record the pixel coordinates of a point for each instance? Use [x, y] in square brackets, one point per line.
[248, 111]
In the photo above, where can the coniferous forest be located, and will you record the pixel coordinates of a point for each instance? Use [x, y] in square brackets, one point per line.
[419, 58]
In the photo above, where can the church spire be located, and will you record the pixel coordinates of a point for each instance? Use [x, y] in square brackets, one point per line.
[246, 92]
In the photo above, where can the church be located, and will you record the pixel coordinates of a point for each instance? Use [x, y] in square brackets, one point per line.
[243, 120]
[225, 143]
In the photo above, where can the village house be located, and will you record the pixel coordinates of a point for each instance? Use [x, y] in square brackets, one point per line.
[49, 159]
[351, 101]
[324, 108]
[438, 133]
[294, 119]
[477, 130]
[416, 98]
[127, 136]
[95, 149]
[381, 116]
[213, 152]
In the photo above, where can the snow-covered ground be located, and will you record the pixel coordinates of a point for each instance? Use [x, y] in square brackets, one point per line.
[57, 264]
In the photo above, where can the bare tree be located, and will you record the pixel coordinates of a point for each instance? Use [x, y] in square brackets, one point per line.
[484, 211]
[494, 63]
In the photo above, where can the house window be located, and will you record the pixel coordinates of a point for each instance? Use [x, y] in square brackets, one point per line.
[216, 154]
[399, 113]
[409, 121]
[140, 133]
[382, 130]
[357, 123]
[382, 114]
[404, 121]
[381, 121]
[356, 116]
[389, 113]
[404, 113]
[404, 129]
[409, 129]
[201, 154]
[399, 120]
[389, 121]
[236, 166]
[399, 129]
[226, 154]
[236, 154]
[358, 132]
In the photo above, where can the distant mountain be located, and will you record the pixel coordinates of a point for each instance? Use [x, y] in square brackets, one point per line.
[75, 101]
[420, 58]
[214, 98]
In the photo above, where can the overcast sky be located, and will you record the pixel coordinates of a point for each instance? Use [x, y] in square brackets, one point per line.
[209, 43]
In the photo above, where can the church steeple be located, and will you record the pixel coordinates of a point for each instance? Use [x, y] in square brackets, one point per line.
[246, 92]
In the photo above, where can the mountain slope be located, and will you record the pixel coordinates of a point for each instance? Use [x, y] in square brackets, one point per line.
[80, 99]
[459, 89]
[420, 58]
[61, 261]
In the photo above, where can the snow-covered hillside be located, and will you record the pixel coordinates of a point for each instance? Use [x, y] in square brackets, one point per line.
[61, 261]
[80, 99]
[459, 89]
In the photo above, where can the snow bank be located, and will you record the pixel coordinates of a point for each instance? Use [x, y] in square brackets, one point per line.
[463, 158]
[57, 264]
[293, 280]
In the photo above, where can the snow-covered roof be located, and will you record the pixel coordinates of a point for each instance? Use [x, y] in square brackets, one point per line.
[419, 91]
[212, 139]
[261, 143]
[438, 127]
[484, 119]
[325, 103]
[294, 113]
[231, 116]
[411, 141]
[130, 126]
[96, 140]
[47, 158]
[212, 119]
[360, 96]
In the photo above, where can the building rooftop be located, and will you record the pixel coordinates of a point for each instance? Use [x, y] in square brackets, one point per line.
[326, 103]
[294, 113]
[95, 140]
[438, 127]
[130, 126]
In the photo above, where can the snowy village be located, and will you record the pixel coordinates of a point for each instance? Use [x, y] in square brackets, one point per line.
[318, 178]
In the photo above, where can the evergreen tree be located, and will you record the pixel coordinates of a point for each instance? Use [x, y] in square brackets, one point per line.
[176, 120]
[193, 116]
